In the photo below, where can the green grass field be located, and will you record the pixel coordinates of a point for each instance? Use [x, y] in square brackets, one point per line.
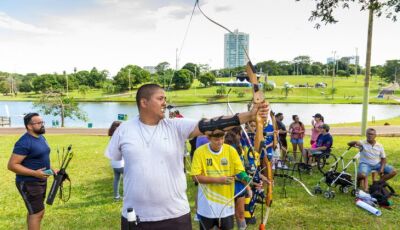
[349, 91]
[92, 207]
[391, 121]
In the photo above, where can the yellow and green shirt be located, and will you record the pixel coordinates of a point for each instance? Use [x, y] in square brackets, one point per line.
[213, 197]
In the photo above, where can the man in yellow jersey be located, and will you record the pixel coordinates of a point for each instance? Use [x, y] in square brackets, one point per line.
[214, 166]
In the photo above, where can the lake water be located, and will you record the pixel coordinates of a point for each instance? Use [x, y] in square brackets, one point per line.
[101, 114]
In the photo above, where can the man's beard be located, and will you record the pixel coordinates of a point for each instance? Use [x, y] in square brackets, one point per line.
[42, 130]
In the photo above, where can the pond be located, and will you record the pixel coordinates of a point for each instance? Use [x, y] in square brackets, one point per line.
[101, 114]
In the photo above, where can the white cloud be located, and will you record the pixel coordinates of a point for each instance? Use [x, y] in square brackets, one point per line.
[9, 23]
[114, 33]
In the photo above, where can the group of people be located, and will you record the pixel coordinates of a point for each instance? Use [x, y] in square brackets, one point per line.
[152, 149]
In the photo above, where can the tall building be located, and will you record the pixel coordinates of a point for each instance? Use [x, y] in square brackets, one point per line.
[234, 55]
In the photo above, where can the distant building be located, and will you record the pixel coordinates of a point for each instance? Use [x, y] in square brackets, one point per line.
[330, 60]
[234, 55]
[355, 60]
[151, 69]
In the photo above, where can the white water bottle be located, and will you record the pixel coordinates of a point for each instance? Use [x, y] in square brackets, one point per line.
[131, 217]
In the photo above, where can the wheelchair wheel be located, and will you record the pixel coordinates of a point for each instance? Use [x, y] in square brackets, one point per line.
[317, 190]
[353, 192]
[325, 162]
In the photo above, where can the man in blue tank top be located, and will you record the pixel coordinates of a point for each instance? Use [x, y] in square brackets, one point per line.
[29, 160]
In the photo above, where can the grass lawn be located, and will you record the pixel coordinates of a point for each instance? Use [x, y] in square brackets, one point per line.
[92, 207]
[391, 121]
[349, 91]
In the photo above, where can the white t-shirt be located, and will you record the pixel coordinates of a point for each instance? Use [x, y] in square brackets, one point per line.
[371, 155]
[154, 178]
[117, 164]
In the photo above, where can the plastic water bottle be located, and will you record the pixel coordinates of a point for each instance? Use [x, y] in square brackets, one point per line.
[131, 217]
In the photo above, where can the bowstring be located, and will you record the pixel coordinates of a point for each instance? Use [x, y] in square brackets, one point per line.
[182, 44]
[204, 191]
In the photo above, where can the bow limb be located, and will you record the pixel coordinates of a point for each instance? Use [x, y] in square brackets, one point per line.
[295, 179]
[258, 97]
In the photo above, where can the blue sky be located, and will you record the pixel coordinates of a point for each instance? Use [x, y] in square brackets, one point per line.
[55, 35]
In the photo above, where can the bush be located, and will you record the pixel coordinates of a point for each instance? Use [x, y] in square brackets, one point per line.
[343, 73]
[268, 87]
[221, 90]
[240, 94]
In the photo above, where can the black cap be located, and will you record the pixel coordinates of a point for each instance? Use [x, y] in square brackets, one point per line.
[317, 115]
[326, 127]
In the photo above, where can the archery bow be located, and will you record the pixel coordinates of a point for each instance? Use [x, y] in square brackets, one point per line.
[258, 98]
[60, 178]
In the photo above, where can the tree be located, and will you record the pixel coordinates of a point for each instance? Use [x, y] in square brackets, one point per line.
[207, 79]
[221, 90]
[162, 67]
[325, 12]
[46, 82]
[96, 78]
[303, 64]
[108, 87]
[130, 76]
[391, 70]
[165, 79]
[204, 68]
[4, 86]
[333, 92]
[270, 67]
[26, 85]
[182, 79]
[82, 77]
[192, 68]
[316, 68]
[57, 104]
[286, 90]
[83, 89]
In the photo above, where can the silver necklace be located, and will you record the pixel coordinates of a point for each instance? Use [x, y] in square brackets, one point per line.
[142, 135]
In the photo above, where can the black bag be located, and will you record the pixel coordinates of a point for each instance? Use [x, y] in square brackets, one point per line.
[343, 179]
[381, 191]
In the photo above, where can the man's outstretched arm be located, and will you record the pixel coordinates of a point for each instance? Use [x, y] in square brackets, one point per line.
[228, 122]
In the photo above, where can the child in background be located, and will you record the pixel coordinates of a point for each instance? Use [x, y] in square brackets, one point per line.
[118, 166]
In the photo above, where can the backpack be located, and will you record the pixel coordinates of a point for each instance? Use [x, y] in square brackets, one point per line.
[381, 191]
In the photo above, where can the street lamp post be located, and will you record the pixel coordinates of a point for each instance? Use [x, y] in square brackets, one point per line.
[66, 80]
[195, 87]
[333, 72]
[129, 79]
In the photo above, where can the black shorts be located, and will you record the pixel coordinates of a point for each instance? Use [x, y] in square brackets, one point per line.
[33, 193]
[180, 223]
[283, 142]
[208, 223]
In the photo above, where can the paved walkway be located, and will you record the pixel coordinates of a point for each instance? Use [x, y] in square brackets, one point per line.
[351, 131]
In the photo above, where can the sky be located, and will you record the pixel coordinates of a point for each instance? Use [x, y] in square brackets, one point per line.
[46, 36]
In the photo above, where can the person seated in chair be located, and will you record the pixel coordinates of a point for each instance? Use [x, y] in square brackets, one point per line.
[372, 157]
[322, 145]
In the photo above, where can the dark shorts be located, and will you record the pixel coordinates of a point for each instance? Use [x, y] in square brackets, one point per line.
[33, 193]
[208, 223]
[283, 141]
[180, 223]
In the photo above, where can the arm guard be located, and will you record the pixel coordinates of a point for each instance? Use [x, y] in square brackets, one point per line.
[218, 123]
[243, 176]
